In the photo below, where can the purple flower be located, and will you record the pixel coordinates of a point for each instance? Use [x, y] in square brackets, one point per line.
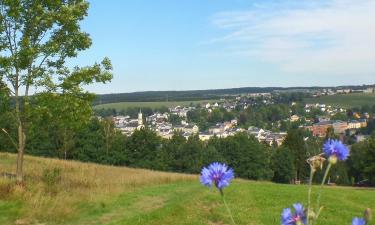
[335, 149]
[299, 217]
[216, 174]
[358, 221]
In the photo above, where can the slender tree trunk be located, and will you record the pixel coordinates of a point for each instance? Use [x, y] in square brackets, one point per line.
[21, 149]
[21, 139]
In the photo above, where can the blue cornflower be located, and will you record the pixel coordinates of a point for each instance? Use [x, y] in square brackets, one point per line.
[216, 174]
[358, 221]
[335, 150]
[298, 218]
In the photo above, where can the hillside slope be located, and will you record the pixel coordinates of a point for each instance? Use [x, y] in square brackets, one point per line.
[64, 192]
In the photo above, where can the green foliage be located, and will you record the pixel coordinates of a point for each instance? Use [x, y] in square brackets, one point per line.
[174, 119]
[297, 145]
[370, 127]
[361, 160]
[282, 164]
[249, 158]
[143, 149]
[340, 116]
[339, 174]
[37, 38]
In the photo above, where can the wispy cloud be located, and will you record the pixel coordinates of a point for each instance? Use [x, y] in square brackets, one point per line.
[322, 37]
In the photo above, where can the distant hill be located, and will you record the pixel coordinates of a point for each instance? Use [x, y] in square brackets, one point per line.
[193, 95]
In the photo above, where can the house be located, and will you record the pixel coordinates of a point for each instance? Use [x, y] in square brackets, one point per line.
[294, 118]
[256, 132]
[227, 125]
[323, 119]
[363, 122]
[164, 129]
[179, 111]
[320, 129]
[127, 126]
[339, 127]
[192, 129]
[354, 124]
[128, 129]
[178, 128]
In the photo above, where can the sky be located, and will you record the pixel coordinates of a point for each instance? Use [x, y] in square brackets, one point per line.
[209, 44]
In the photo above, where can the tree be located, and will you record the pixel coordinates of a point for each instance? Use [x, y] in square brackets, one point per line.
[361, 160]
[143, 149]
[282, 165]
[65, 113]
[36, 39]
[174, 119]
[296, 143]
[172, 152]
[249, 158]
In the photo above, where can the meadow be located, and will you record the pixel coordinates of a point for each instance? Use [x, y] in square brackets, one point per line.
[85, 193]
[345, 100]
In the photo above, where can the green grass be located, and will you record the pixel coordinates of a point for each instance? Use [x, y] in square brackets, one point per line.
[345, 100]
[124, 105]
[250, 202]
[148, 197]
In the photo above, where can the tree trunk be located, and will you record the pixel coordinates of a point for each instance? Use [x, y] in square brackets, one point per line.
[21, 138]
[21, 148]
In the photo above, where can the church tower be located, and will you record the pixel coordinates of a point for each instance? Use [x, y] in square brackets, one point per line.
[140, 120]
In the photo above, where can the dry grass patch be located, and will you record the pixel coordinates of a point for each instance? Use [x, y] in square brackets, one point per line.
[52, 194]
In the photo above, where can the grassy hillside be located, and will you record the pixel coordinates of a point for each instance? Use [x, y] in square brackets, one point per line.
[95, 194]
[345, 100]
[124, 105]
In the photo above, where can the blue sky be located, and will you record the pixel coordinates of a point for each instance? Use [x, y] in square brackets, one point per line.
[205, 44]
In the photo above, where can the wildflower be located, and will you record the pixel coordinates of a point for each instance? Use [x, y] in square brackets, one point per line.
[216, 174]
[335, 150]
[316, 162]
[358, 221]
[298, 218]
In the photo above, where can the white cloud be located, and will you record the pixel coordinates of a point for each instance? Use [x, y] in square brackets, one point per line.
[335, 38]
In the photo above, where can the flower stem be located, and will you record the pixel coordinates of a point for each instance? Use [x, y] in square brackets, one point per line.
[312, 171]
[321, 189]
[226, 206]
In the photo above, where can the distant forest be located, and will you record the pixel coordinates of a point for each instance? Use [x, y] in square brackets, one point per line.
[156, 96]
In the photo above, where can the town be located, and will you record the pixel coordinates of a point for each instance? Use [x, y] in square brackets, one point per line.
[319, 123]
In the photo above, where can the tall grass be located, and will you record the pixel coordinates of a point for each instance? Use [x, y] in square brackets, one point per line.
[49, 194]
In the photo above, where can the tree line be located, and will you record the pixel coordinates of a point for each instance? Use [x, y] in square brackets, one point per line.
[98, 141]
